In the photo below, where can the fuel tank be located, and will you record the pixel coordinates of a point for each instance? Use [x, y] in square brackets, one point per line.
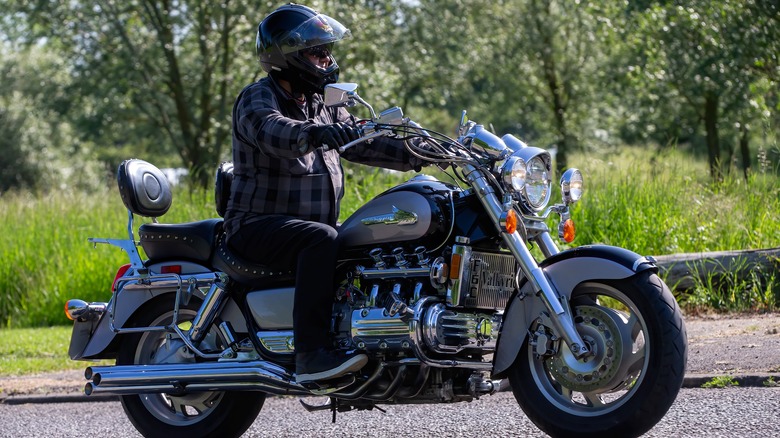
[419, 212]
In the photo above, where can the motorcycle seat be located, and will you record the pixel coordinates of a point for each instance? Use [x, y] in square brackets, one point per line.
[191, 241]
[245, 272]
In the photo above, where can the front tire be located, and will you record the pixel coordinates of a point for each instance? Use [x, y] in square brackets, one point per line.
[199, 414]
[635, 329]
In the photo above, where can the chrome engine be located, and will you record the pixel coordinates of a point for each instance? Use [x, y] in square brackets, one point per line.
[411, 306]
[450, 311]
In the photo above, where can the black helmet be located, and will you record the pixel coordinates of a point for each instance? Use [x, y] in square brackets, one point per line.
[282, 36]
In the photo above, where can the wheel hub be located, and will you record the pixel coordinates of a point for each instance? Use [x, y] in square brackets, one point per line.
[600, 331]
[173, 350]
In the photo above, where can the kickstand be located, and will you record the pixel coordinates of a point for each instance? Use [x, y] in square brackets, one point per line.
[333, 406]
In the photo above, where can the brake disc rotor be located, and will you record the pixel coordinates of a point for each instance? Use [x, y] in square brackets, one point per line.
[599, 330]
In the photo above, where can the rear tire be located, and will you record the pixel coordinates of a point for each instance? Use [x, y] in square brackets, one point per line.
[636, 329]
[199, 414]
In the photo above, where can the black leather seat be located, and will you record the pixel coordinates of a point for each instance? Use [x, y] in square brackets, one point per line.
[191, 241]
[245, 272]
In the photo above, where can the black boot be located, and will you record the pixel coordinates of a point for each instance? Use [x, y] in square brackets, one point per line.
[324, 364]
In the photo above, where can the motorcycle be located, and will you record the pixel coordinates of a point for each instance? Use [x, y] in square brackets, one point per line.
[438, 285]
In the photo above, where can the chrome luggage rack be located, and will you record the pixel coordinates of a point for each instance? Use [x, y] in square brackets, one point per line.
[143, 281]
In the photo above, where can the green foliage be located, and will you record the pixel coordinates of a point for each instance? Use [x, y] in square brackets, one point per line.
[156, 79]
[45, 258]
[650, 204]
[39, 148]
[720, 382]
[663, 203]
[741, 287]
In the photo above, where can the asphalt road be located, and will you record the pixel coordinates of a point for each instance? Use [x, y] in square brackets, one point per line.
[729, 412]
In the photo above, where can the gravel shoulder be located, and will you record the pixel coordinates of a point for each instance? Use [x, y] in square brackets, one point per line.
[746, 347]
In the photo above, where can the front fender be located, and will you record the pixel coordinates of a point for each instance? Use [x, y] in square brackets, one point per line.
[565, 271]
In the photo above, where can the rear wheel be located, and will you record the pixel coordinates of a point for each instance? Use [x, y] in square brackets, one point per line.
[197, 414]
[636, 332]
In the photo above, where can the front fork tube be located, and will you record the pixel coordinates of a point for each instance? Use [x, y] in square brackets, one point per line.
[561, 317]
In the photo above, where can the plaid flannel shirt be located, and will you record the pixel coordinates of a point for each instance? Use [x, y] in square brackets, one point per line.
[277, 171]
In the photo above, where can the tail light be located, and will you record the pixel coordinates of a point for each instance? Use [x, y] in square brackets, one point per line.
[119, 274]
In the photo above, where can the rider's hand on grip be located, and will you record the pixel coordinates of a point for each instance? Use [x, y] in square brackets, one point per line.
[332, 136]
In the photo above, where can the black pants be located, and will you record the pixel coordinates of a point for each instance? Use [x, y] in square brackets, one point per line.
[310, 248]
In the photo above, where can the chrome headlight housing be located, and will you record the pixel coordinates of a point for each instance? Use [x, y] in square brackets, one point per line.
[526, 175]
[572, 186]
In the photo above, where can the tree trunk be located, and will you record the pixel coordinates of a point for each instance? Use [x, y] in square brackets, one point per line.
[557, 91]
[745, 150]
[683, 272]
[713, 143]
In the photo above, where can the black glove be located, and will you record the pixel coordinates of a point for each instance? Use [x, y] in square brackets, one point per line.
[332, 136]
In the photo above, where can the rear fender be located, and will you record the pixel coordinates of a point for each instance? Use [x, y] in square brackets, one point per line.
[96, 340]
[565, 270]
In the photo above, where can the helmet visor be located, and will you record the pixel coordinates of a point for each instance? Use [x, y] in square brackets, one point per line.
[316, 31]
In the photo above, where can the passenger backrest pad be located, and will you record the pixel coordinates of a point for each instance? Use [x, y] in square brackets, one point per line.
[222, 187]
[144, 188]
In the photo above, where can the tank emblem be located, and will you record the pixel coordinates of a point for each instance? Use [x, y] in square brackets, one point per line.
[398, 216]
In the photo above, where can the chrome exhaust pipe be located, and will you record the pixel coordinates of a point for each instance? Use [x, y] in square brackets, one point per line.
[177, 378]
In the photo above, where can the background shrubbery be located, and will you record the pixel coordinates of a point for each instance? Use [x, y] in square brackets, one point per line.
[651, 204]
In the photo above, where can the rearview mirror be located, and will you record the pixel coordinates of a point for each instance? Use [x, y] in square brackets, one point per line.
[340, 94]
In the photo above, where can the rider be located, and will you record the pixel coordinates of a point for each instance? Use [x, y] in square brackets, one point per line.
[288, 179]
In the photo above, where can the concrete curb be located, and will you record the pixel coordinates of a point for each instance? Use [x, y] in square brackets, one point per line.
[759, 380]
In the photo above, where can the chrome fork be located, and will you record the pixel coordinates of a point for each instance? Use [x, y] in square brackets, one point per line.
[561, 316]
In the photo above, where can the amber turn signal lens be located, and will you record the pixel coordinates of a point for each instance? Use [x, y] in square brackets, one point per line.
[511, 222]
[568, 231]
[455, 267]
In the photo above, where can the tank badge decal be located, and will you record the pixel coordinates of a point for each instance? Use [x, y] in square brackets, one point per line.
[398, 216]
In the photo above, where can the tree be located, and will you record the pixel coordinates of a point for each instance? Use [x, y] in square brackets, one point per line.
[170, 66]
[39, 149]
[706, 52]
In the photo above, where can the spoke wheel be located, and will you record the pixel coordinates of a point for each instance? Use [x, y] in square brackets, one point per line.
[196, 414]
[637, 338]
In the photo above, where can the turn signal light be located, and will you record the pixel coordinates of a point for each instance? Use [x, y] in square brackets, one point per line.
[567, 231]
[455, 267]
[511, 221]
[81, 310]
[508, 220]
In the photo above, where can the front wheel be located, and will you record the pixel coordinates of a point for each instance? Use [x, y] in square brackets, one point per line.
[198, 414]
[636, 333]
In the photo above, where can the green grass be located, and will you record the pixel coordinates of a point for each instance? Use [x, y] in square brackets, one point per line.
[45, 257]
[666, 204]
[720, 382]
[649, 202]
[30, 351]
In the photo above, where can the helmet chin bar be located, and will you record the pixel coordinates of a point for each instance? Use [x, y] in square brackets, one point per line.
[306, 78]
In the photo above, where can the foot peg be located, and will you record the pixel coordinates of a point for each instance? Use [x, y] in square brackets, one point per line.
[325, 387]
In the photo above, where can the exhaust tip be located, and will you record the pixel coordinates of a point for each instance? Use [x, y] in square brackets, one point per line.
[88, 373]
[89, 388]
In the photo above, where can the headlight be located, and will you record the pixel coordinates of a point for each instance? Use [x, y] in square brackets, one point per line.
[526, 174]
[537, 183]
[571, 186]
[513, 173]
